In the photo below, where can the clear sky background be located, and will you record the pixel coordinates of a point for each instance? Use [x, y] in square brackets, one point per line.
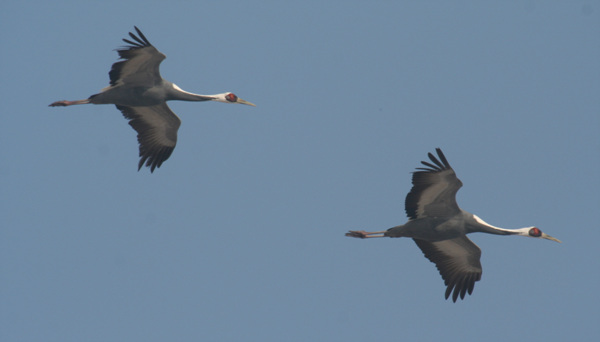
[239, 236]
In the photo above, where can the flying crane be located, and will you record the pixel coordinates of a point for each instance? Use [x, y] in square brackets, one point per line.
[140, 93]
[439, 227]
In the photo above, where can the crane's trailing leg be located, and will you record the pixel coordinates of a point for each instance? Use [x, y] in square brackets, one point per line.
[65, 103]
[364, 235]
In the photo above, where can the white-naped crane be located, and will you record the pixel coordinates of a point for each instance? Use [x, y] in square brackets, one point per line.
[140, 93]
[439, 226]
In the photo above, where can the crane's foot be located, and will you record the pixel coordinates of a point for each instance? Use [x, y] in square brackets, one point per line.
[65, 103]
[58, 104]
[361, 234]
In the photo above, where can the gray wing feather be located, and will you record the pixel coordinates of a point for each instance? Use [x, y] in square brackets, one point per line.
[457, 260]
[141, 63]
[157, 132]
[434, 190]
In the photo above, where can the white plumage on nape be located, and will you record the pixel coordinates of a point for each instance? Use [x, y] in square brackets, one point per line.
[140, 93]
[439, 227]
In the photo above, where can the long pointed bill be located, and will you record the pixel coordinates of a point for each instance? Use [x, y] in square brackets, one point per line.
[546, 236]
[240, 101]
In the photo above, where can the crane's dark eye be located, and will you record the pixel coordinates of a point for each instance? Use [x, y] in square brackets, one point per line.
[231, 97]
[535, 232]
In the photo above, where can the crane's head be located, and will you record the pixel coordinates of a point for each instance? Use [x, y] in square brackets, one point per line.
[230, 98]
[535, 232]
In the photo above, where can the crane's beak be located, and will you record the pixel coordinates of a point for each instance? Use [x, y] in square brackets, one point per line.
[546, 236]
[240, 101]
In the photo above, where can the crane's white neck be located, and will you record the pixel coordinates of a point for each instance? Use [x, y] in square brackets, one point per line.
[187, 96]
[488, 228]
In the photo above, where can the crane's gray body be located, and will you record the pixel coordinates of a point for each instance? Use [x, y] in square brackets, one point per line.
[439, 227]
[137, 95]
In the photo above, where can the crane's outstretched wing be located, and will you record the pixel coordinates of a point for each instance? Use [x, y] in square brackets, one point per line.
[434, 190]
[141, 63]
[458, 262]
[157, 132]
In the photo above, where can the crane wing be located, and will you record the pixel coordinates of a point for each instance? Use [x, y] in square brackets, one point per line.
[434, 190]
[157, 132]
[141, 63]
[457, 260]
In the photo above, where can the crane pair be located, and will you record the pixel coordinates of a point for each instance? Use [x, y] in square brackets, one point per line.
[436, 223]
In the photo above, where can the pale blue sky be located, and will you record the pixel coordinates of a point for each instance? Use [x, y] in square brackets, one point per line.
[239, 236]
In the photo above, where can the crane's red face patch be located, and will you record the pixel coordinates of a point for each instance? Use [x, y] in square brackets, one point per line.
[535, 232]
[231, 97]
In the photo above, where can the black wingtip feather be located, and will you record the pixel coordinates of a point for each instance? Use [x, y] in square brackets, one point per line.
[434, 167]
[440, 165]
[142, 36]
[460, 287]
[434, 159]
[134, 45]
[134, 37]
[448, 292]
[140, 41]
[153, 159]
[443, 158]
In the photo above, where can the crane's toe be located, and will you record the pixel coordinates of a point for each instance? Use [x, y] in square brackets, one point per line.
[62, 103]
[357, 234]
